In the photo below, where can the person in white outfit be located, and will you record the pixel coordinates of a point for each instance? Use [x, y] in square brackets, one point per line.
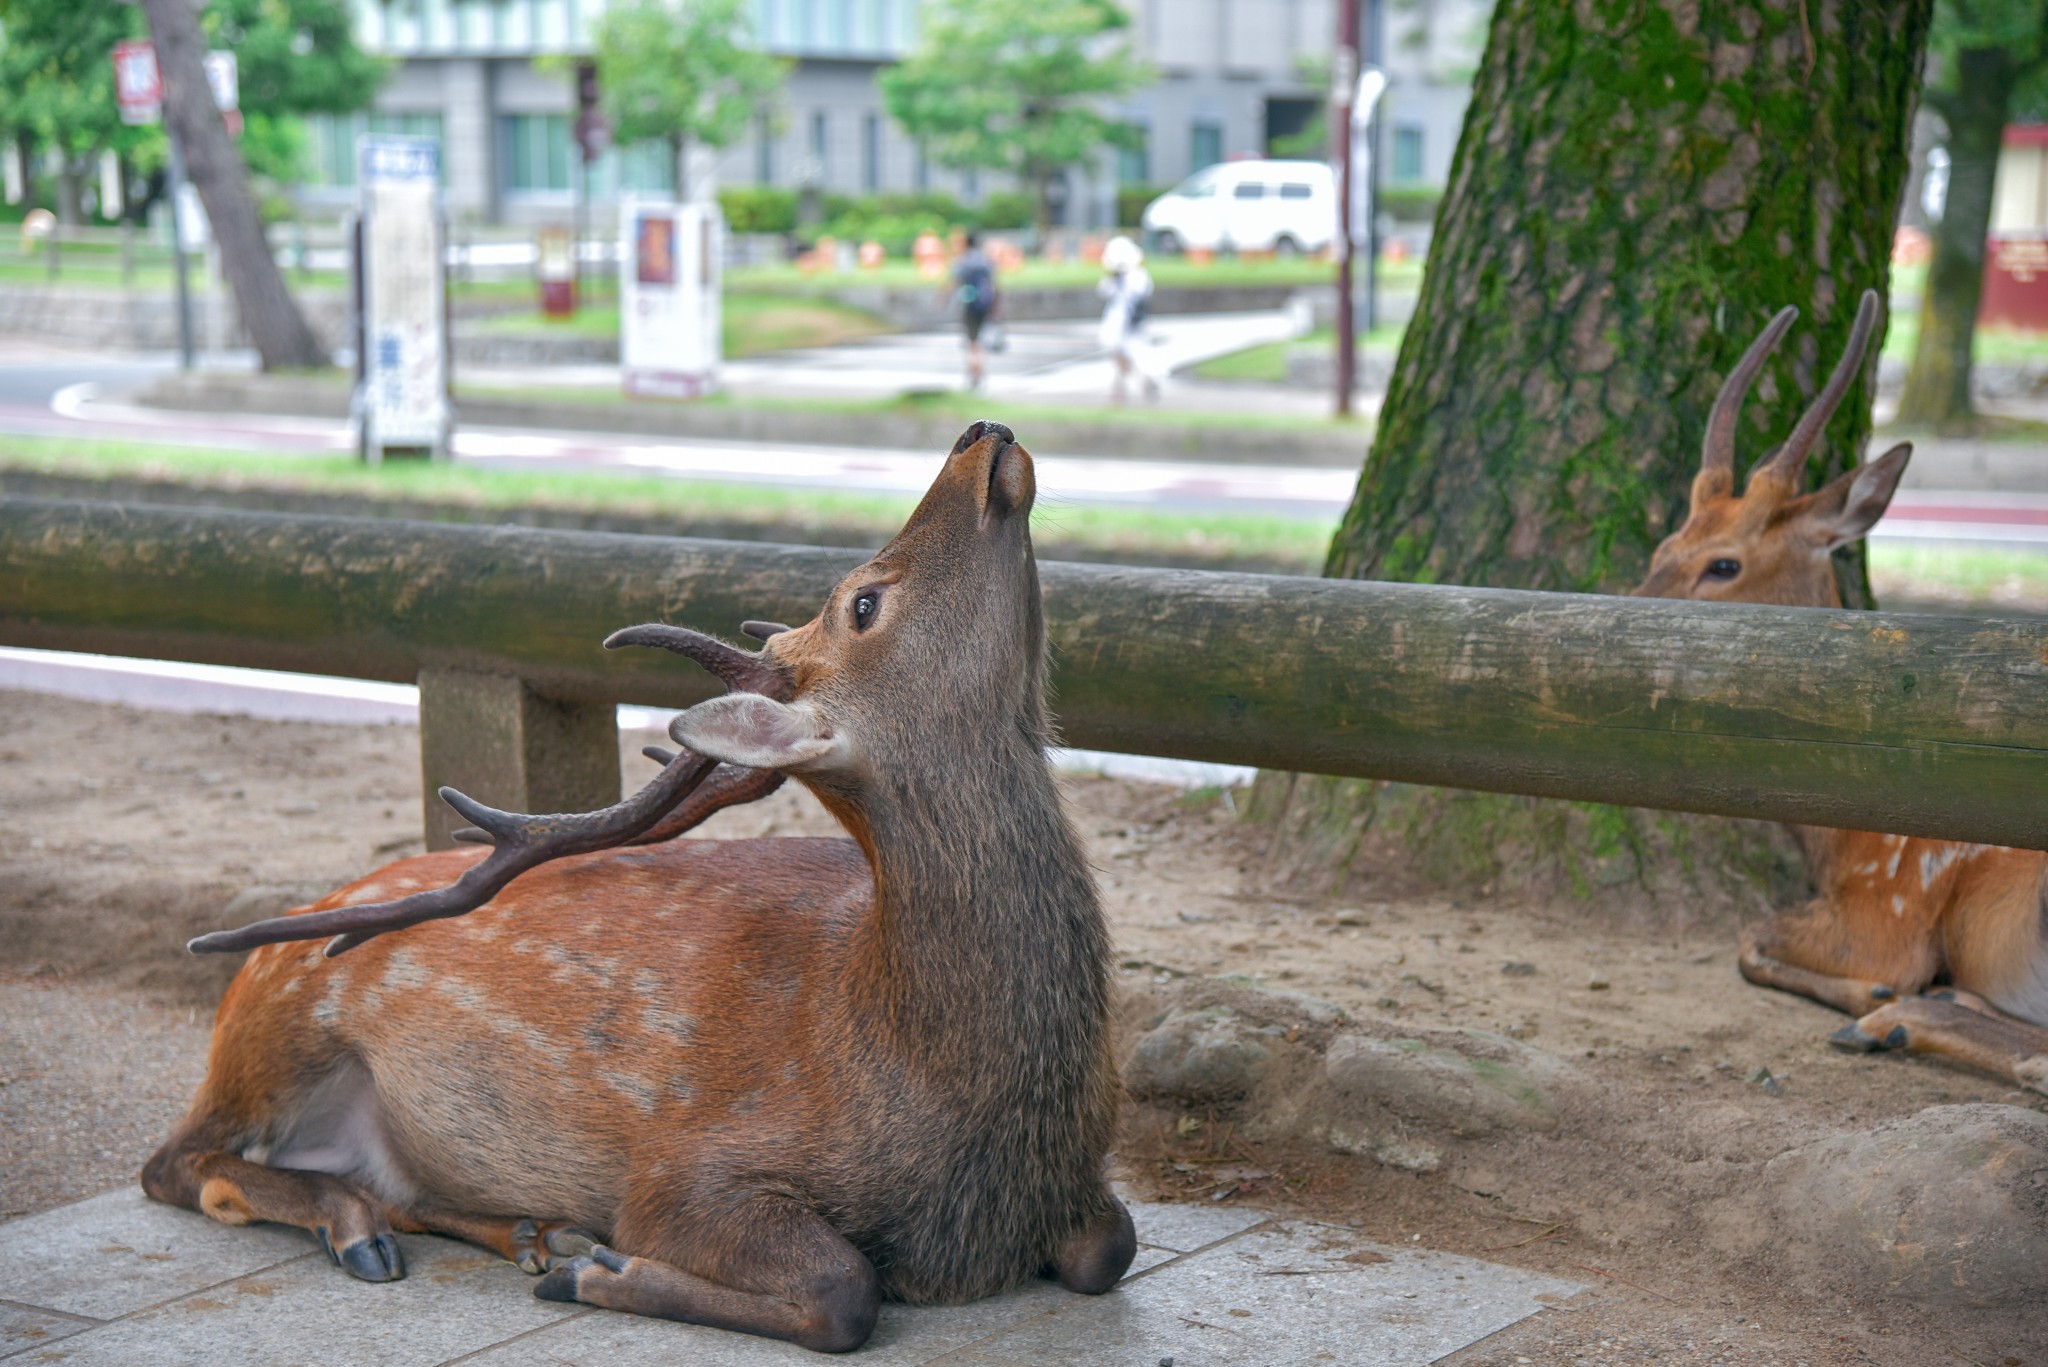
[1126, 290]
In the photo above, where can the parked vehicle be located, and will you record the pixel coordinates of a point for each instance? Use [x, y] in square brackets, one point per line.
[1248, 206]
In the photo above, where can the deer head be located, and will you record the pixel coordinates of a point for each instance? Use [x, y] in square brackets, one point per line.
[954, 596]
[1771, 543]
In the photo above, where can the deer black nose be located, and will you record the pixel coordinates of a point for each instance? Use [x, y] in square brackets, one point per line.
[982, 429]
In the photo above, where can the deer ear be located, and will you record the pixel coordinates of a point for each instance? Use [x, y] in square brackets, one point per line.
[1851, 504]
[760, 733]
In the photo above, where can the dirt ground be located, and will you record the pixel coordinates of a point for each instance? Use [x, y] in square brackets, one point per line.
[124, 832]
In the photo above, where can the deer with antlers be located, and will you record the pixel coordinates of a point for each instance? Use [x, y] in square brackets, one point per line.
[1935, 946]
[758, 1084]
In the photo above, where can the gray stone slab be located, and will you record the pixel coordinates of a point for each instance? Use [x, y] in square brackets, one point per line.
[121, 1252]
[1185, 1228]
[308, 1313]
[24, 1327]
[1284, 1295]
[904, 1335]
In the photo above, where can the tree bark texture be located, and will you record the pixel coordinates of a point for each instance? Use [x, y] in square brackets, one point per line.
[1937, 392]
[275, 325]
[1640, 186]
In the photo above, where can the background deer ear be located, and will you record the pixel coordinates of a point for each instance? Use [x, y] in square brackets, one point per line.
[760, 733]
[1851, 504]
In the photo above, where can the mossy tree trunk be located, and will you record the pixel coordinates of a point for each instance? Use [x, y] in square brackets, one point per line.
[1639, 186]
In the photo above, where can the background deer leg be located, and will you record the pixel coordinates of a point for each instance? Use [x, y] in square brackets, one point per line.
[533, 1246]
[1095, 1257]
[1813, 953]
[1982, 1038]
[193, 1170]
[773, 1269]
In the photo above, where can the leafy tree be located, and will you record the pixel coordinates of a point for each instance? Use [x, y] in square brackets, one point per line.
[1016, 86]
[1986, 57]
[1638, 188]
[57, 85]
[680, 72]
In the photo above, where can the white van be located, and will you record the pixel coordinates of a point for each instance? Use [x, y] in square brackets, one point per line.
[1253, 206]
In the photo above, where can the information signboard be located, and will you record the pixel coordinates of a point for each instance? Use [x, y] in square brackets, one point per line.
[672, 258]
[138, 86]
[401, 399]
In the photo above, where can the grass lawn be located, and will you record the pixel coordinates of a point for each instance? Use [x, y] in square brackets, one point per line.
[1206, 538]
[1959, 577]
[755, 324]
[1267, 363]
[951, 404]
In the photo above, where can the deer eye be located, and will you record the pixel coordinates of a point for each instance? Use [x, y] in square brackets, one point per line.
[1724, 569]
[864, 610]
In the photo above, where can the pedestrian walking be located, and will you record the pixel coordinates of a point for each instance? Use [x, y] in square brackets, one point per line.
[1126, 290]
[974, 278]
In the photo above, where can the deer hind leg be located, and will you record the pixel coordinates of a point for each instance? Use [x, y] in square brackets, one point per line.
[194, 1170]
[1816, 953]
[773, 1269]
[1959, 1026]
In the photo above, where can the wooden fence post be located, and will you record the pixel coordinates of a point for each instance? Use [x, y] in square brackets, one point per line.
[500, 742]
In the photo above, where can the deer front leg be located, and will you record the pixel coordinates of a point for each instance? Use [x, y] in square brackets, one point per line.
[1095, 1257]
[1813, 953]
[351, 1225]
[1965, 1030]
[533, 1246]
[773, 1269]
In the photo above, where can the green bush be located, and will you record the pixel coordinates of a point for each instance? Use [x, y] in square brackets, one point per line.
[1411, 204]
[1001, 209]
[1131, 201]
[758, 209]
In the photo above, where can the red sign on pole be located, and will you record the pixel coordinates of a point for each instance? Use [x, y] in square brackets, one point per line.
[138, 86]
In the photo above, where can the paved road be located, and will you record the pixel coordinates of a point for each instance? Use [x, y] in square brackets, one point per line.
[58, 395]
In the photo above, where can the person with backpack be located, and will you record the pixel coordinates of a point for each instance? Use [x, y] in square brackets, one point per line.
[1126, 290]
[974, 278]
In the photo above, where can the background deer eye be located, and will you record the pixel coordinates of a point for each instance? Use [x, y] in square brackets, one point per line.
[864, 611]
[1724, 569]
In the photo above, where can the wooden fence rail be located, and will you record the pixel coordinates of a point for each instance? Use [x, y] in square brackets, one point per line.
[1918, 724]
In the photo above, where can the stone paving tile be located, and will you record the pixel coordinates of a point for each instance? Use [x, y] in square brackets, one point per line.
[309, 1313]
[1284, 1295]
[122, 1252]
[1185, 1228]
[23, 1327]
[904, 1335]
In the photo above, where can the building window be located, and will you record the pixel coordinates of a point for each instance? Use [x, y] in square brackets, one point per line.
[820, 143]
[839, 16]
[970, 185]
[1205, 145]
[922, 176]
[331, 142]
[1134, 163]
[1408, 152]
[535, 152]
[764, 149]
[871, 153]
[876, 30]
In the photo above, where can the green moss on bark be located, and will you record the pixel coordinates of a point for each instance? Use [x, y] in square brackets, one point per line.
[1640, 186]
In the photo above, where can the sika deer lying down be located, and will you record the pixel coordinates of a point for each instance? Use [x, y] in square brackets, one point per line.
[755, 1084]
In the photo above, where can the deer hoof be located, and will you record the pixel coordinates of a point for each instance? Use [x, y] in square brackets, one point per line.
[564, 1281]
[1855, 1039]
[372, 1259]
[538, 1244]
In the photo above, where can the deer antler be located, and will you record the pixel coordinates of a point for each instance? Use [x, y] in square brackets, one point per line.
[1791, 457]
[1717, 452]
[521, 842]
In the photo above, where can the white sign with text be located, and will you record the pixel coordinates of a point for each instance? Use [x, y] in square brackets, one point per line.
[402, 394]
[670, 314]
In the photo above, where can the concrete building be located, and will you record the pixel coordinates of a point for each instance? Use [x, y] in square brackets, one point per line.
[1232, 76]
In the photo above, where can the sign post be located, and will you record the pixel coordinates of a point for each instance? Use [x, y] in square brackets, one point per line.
[401, 399]
[670, 314]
